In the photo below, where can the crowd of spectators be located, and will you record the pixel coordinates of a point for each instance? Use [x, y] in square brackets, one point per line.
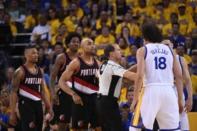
[47, 22]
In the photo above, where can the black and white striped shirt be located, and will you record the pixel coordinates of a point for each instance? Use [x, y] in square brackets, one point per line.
[110, 79]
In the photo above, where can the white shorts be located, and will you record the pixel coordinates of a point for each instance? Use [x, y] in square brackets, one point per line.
[159, 102]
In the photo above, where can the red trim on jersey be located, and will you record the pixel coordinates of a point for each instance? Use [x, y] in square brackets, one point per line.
[29, 90]
[86, 84]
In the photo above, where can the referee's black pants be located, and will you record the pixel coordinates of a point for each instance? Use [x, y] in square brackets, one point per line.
[109, 114]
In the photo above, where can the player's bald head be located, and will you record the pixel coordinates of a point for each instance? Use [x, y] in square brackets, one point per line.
[85, 42]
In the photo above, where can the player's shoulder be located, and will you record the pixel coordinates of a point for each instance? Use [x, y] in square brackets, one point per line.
[60, 58]
[19, 72]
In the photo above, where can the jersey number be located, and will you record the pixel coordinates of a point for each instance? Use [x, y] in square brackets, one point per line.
[160, 63]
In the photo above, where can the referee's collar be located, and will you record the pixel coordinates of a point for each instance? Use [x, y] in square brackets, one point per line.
[113, 62]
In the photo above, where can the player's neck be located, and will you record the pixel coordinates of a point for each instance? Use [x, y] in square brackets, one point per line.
[71, 53]
[86, 57]
[30, 65]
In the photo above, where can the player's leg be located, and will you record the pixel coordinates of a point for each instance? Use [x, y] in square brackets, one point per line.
[27, 114]
[78, 115]
[168, 115]
[39, 115]
[146, 109]
[65, 103]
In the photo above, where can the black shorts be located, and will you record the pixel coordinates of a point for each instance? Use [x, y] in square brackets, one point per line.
[63, 110]
[109, 114]
[30, 112]
[86, 114]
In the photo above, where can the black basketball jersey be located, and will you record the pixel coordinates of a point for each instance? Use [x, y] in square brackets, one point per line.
[85, 79]
[30, 86]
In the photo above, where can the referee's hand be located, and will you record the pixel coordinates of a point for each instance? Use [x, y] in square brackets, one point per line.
[77, 99]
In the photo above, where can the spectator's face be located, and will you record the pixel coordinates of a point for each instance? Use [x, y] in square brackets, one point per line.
[14, 4]
[105, 31]
[45, 44]
[52, 13]
[180, 50]
[7, 18]
[127, 17]
[40, 53]
[74, 44]
[166, 3]
[142, 3]
[58, 49]
[84, 21]
[79, 30]
[94, 8]
[43, 20]
[31, 55]
[122, 43]
[130, 96]
[181, 10]
[62, 29]
[104, 16]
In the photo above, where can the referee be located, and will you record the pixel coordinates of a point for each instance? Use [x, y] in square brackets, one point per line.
[110, 77]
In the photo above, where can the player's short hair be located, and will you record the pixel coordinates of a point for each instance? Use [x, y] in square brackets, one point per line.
[109, 48]
[151, 32]
[30, 47]
[70, 36]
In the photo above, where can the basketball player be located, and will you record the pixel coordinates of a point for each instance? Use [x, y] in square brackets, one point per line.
[184, 123]
[110, 75]
[63, 116]
[157, 64]
[83, 70]
[27, 88]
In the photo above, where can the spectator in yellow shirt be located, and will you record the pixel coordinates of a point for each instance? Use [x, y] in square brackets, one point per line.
[75, 14]
[167, 29]
[31, 20]
[193, 71]
[60, 35]
[124, 46]
[53, 20]
[86, 25]
[104, 20]
[168, 9]
[184, 18]
[103, 39]
[181, 50]
[192, 28]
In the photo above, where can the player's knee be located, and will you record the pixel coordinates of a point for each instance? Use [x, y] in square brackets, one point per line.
[82, 125]
[32, 125]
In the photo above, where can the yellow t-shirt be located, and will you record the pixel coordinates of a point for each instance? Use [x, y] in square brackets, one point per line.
[187, 59]
[70, 22]
[191, 27]
[54, 24]
[194, 83]
[134, 29]
[99, 24]
[104, 40]
[126, 52]
[29, 22]
[13, 29]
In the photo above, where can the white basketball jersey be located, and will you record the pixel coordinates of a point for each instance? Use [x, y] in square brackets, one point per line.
[158, 65]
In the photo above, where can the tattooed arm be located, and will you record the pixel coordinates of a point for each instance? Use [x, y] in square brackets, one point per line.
[18, 76]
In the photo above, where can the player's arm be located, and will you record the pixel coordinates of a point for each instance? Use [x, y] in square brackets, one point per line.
[178, 82]
[139, 76]
[186, 77]
[56, 67]
[66, 76]
[18, 76]
[133, 68]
